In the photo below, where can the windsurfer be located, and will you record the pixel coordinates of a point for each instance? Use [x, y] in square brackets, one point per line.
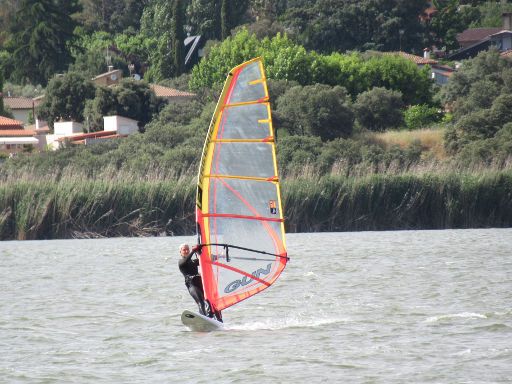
[190, 269]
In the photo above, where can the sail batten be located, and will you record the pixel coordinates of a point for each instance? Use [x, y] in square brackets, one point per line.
[239, 213]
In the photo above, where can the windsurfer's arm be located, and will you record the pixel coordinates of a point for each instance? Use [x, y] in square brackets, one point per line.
[195, 250]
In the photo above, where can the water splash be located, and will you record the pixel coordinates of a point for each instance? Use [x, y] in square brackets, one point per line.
[463, 315]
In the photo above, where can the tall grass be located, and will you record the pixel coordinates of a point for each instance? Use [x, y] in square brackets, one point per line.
[65, 206]
[406, 201]
[81, 207]
[429, 139]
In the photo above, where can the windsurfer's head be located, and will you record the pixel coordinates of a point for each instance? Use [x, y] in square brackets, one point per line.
[184, 249]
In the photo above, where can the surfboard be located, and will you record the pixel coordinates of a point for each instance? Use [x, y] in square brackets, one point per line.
[199, 323]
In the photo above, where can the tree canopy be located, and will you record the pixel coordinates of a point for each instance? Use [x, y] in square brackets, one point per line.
[41, 27]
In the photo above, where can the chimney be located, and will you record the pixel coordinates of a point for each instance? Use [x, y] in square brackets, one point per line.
[110, 68]
[507, 21]
[426, 53]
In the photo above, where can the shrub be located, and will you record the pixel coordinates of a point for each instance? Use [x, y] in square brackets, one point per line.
[419, 116]
[379, 109]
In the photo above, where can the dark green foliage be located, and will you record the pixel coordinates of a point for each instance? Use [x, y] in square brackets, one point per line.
[379, 109]
[40, 36]
[204, 18]
[449, 20]
[342, 25]
[480, 95]
[65, 98]
[318, 110]
[295, 152]
[178, 36]
[111, 15]
[2, 110]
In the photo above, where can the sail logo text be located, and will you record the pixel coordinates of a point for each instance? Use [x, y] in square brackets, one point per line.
[234, 285]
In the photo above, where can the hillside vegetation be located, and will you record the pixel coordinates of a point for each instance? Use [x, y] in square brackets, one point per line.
[365, 140]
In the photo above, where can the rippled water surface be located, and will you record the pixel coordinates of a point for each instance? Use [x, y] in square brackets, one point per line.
[367, 307]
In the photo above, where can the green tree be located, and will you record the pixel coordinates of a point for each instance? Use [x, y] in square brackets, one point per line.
[203, 17]
[317, 110]
[488, 67]
[114, 16]
[2, 109]
[397, 73]
[40, 36]
[65, 98]
[177, 37]
[491, 14]
[341, 25]
[449, 20]
[379, 109]
[284, 60]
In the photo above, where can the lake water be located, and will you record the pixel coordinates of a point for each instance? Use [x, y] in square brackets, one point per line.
[367, 307]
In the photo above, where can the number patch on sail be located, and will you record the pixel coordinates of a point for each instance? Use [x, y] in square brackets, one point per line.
[273, 207]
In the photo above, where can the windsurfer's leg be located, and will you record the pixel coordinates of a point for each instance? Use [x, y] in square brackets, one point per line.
[218, 316]
[197, 295]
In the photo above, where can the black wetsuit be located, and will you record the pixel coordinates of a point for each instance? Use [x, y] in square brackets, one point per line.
[190, 269]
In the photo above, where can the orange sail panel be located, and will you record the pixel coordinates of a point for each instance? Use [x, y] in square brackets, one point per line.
[239, 213]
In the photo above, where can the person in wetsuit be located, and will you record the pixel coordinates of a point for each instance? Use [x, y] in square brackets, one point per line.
[190, 270]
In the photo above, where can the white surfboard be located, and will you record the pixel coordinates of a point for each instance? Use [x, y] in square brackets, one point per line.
[199, 323]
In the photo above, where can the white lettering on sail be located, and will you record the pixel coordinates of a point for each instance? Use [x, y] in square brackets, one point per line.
[234, 285]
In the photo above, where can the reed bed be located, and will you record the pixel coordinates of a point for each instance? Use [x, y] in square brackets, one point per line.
[70, 205]
[394, 202]
[82, 208]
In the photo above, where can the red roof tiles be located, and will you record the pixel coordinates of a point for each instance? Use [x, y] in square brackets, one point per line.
[20, 102]
[162, 91]
[16, 132]
[415, 59]
[6, 123]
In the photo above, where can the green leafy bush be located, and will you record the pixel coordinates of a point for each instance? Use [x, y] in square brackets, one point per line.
[420, 116]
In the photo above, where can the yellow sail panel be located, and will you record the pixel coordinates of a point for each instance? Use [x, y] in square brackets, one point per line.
[239, 212]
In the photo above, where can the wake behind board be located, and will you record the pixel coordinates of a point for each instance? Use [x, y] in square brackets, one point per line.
[199, 323]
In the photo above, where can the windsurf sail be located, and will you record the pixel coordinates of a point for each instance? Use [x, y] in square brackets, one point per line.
[238, 206]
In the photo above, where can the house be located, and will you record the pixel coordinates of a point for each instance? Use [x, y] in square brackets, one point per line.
[72, 133]
[438, 72]
[475, 40]
[111, 77]
[171, 94]
[14, 138]
[22, 108]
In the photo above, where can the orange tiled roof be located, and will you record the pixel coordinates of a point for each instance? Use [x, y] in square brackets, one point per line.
[162, 91]
[415, 59]
[82, 136]
[6, 123]
[16, 132]
[20, 102]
